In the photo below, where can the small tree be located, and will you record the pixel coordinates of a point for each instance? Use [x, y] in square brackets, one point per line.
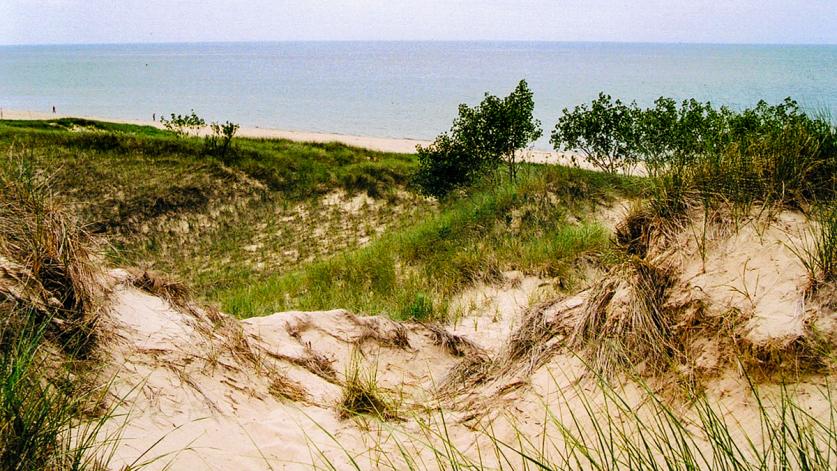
[655, 128]
[498, 128]
[604, 133]
[481, 139]
[183, 125]
[220, 139]
[519, 127]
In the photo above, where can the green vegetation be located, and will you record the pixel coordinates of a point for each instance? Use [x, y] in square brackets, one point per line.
[480, 140]
[765, 154]
[260, 226]
[258, 234]
[183, 125]
[819, 255]
[361, 394]
[220, 139]
[415, 271]
[165, 203]
[604, 133]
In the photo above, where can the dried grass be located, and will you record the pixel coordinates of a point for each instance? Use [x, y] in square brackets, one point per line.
[456, 345]
[47, 261]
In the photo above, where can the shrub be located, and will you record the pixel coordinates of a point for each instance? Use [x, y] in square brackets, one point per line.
[765, 153]
[605, 133]
[219, 140]
[183, 125]
[446, 165]
[480, 140]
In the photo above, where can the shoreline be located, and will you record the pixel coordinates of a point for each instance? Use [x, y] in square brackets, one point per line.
[380, 144]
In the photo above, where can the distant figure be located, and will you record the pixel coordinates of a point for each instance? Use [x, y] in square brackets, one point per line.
[154, 117]
[53, 110]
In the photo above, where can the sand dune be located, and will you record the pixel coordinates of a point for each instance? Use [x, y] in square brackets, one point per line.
[206, 391]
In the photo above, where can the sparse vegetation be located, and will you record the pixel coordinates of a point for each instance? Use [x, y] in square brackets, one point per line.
[819, 252]
[616, 427]
[149, 194]
[524, 225]
[361, 394]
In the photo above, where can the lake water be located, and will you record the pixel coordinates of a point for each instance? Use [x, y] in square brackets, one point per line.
[397, 89]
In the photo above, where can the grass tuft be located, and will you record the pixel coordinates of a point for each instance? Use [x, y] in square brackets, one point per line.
[361, 394]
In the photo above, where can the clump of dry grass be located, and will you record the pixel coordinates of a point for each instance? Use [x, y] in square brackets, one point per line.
[175, 292]
[52, 408]
[46, 259]
[283, 388]
[528, 347]
[810, 352]
[381, 331]
[626, 314]
[456, 345]
[470, 372]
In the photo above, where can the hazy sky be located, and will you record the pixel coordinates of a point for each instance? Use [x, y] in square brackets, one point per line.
[113, 21]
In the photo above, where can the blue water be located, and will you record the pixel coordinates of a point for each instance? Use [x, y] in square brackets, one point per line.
[397, 89]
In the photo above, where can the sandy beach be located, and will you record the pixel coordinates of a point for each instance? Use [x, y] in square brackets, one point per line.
[382, 144]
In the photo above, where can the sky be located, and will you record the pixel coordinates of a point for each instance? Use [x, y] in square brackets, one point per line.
[697, 21]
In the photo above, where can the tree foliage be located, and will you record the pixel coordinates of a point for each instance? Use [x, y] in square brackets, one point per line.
[446, 165]
[481, 139]
[614, 136]
[219, 141]
[183, 125]
[605, 132]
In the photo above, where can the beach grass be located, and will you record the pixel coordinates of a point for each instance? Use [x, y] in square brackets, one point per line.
[538, 225]
[623, 425]
[164, 204]
[288, 225]
[52, 406]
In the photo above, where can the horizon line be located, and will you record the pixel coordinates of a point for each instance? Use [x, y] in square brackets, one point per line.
[278, 41]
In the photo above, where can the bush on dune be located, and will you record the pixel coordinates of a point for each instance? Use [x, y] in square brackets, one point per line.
[767, 154]
[481, 139]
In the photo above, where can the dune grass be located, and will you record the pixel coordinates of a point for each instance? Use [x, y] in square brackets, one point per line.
[51, 410]
[50, 418]
[536, 225]
[615, 426]
[164, 203]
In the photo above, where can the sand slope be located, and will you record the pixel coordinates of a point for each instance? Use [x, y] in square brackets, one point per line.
[203, 391]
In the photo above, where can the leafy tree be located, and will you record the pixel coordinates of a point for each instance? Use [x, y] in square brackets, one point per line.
[481, 139]
[605, 133]
[219, 140]
[654, 130]
[183, 125]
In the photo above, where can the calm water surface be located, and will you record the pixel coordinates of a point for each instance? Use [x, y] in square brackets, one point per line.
[397, 89]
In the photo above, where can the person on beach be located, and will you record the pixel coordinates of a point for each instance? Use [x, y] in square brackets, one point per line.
[53, 109]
